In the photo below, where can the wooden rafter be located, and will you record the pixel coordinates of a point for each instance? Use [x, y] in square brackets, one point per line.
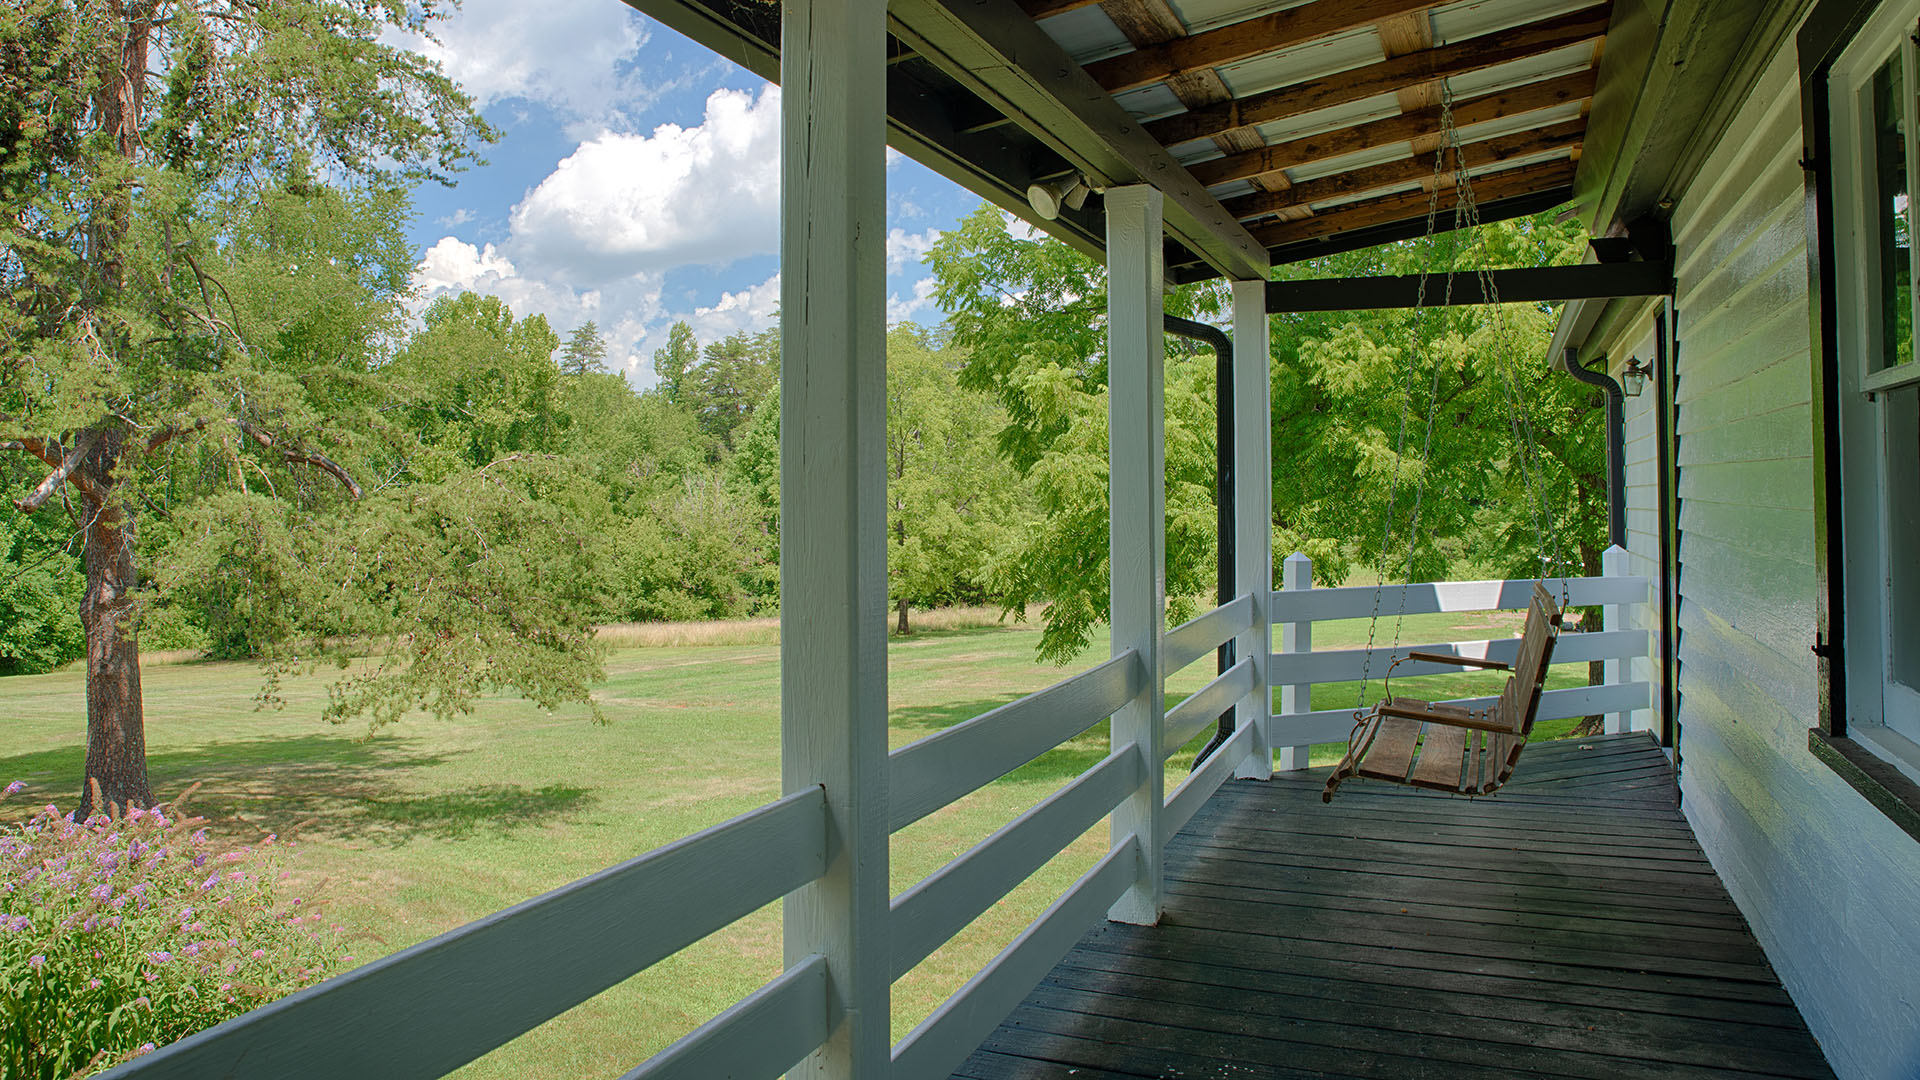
[1563, 136]
[1408, 126]
[1410, 205]
[1040, 9]
[1385, 77]
[1241, 40]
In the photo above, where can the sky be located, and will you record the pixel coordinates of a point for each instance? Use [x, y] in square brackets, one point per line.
[636, 182]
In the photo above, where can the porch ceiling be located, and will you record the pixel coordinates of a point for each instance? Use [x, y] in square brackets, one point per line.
[1279, 129]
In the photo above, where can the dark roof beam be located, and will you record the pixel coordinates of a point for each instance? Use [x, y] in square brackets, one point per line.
[1242, 40]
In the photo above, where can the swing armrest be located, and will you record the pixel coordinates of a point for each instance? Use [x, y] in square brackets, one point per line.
[1463, 661]
[1450, 715]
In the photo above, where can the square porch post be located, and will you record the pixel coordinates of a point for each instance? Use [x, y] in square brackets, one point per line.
[833, 570]
[1136, 486]
[1253, 513]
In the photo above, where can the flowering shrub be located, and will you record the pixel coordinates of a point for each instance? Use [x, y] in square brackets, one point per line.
[118, 935]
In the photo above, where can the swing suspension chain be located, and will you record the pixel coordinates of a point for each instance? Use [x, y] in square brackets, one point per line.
[1466, 214]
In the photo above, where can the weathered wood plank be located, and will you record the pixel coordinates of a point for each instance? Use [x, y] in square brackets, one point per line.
[1412, 205]
[1387, 76]
[1442, 753]
[1240, 40]
[1393, 747]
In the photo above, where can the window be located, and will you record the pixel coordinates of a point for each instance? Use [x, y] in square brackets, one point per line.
[1874, 90]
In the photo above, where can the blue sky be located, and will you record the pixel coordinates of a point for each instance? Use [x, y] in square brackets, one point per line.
[636, 182]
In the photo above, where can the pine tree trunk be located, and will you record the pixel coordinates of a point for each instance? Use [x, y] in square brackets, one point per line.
[116, 722]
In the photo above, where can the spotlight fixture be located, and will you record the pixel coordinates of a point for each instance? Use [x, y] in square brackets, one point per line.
[1633, 377]
[1068, 191]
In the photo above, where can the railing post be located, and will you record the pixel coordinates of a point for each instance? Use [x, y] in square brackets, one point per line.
[1613, 563]
[1253, 516]
[1137, 515]
[833, 556]
[1295, 637]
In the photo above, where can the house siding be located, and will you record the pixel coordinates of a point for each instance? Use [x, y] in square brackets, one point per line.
[1830, 886]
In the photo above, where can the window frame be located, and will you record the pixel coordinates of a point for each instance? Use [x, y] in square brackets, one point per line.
[1841, 44]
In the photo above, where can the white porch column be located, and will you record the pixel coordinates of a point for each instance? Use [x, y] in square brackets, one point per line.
[833, 579]
[1136, 485]
[1613, 563]
[1296, 573]
[1253, 513]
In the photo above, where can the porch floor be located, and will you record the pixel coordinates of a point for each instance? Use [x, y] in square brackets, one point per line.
[1569, 926]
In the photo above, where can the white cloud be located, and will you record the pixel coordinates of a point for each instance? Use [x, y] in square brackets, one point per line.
[574, 56]
[904, 247]
[627, 204]
[458, 217]
[899, 310]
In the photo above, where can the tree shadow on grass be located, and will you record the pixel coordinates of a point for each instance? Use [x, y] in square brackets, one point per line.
[308, 786]
[927, 719]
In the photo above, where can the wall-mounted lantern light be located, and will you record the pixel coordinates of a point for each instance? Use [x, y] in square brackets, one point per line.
[1633, 377]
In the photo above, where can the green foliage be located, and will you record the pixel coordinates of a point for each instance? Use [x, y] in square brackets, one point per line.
[1031, 315]
[734, 374]
[480, 385]
[952, 503]
[672, 362]
[698, 551]
[584, 352]
[40, 586]
[117, 936]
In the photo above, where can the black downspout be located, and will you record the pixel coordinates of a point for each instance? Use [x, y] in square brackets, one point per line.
[1223, 501]
[1616, 446]
[1663, 388]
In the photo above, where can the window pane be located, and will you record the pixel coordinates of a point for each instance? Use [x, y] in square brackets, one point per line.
[1890, 173]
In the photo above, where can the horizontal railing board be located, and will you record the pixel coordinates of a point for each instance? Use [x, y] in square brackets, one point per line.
[427, 1010]
[1202, 634]
[929, 773]
[764, 1034]
[1204, 707]
[1334, 725]
[1343, 665]
[1427, 598]
[1203, 782]
[942, 1041]
[926, 916]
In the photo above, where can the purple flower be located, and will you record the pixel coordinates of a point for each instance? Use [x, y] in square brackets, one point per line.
[200, 860]
[259, 954]
[16, 787]
[212, 880]
[19, 922]
[109, 860]
[93, 984]
[160, 956]
[192, 949]
[102, 891]
[36, 961]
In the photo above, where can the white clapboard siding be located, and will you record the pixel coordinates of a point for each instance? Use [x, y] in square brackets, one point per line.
[1341, 665]
[427, 1010]
[1204, 781]
[945, 1039]
[929, 773]
[930, 913]
[1203, 709]
[1202, 634]
[1427, 598]
[1334, 725]
[765, 1034]
[1821, 875]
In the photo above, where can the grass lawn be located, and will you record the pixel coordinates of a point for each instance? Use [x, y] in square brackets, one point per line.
[428, 825]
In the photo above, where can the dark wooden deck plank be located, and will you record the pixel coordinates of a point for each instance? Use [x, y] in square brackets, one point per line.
[1400, 933]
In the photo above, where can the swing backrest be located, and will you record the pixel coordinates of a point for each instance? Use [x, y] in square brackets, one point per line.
[1519, 700]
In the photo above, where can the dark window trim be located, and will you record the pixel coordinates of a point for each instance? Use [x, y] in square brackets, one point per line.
[1830, 27]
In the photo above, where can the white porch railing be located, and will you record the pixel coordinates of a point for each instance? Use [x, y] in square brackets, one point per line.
[429, 1009]
[1296, 668]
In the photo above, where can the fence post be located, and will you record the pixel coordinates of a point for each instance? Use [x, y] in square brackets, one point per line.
[1136, 487]
[1613, 563]
[1253, 514]
[1296, 574]
[833, 508]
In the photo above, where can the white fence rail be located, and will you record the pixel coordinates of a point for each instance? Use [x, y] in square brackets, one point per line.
[1296, 668]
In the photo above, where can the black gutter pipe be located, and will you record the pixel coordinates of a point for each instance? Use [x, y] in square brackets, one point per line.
[1616, 444]
[1223, 501]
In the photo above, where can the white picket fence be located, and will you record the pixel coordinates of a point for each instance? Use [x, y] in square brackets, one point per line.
[1296, 667]
[427, 1010]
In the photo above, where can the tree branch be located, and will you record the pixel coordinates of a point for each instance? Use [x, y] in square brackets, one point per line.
[301, 456]
[61, 471]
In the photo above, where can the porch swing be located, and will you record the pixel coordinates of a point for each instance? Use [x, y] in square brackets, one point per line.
[1438, 745]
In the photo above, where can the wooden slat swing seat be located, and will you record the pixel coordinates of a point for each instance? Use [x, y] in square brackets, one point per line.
[1446, 747]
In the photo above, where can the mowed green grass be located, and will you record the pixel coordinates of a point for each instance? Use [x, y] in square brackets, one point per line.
[426, 825]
